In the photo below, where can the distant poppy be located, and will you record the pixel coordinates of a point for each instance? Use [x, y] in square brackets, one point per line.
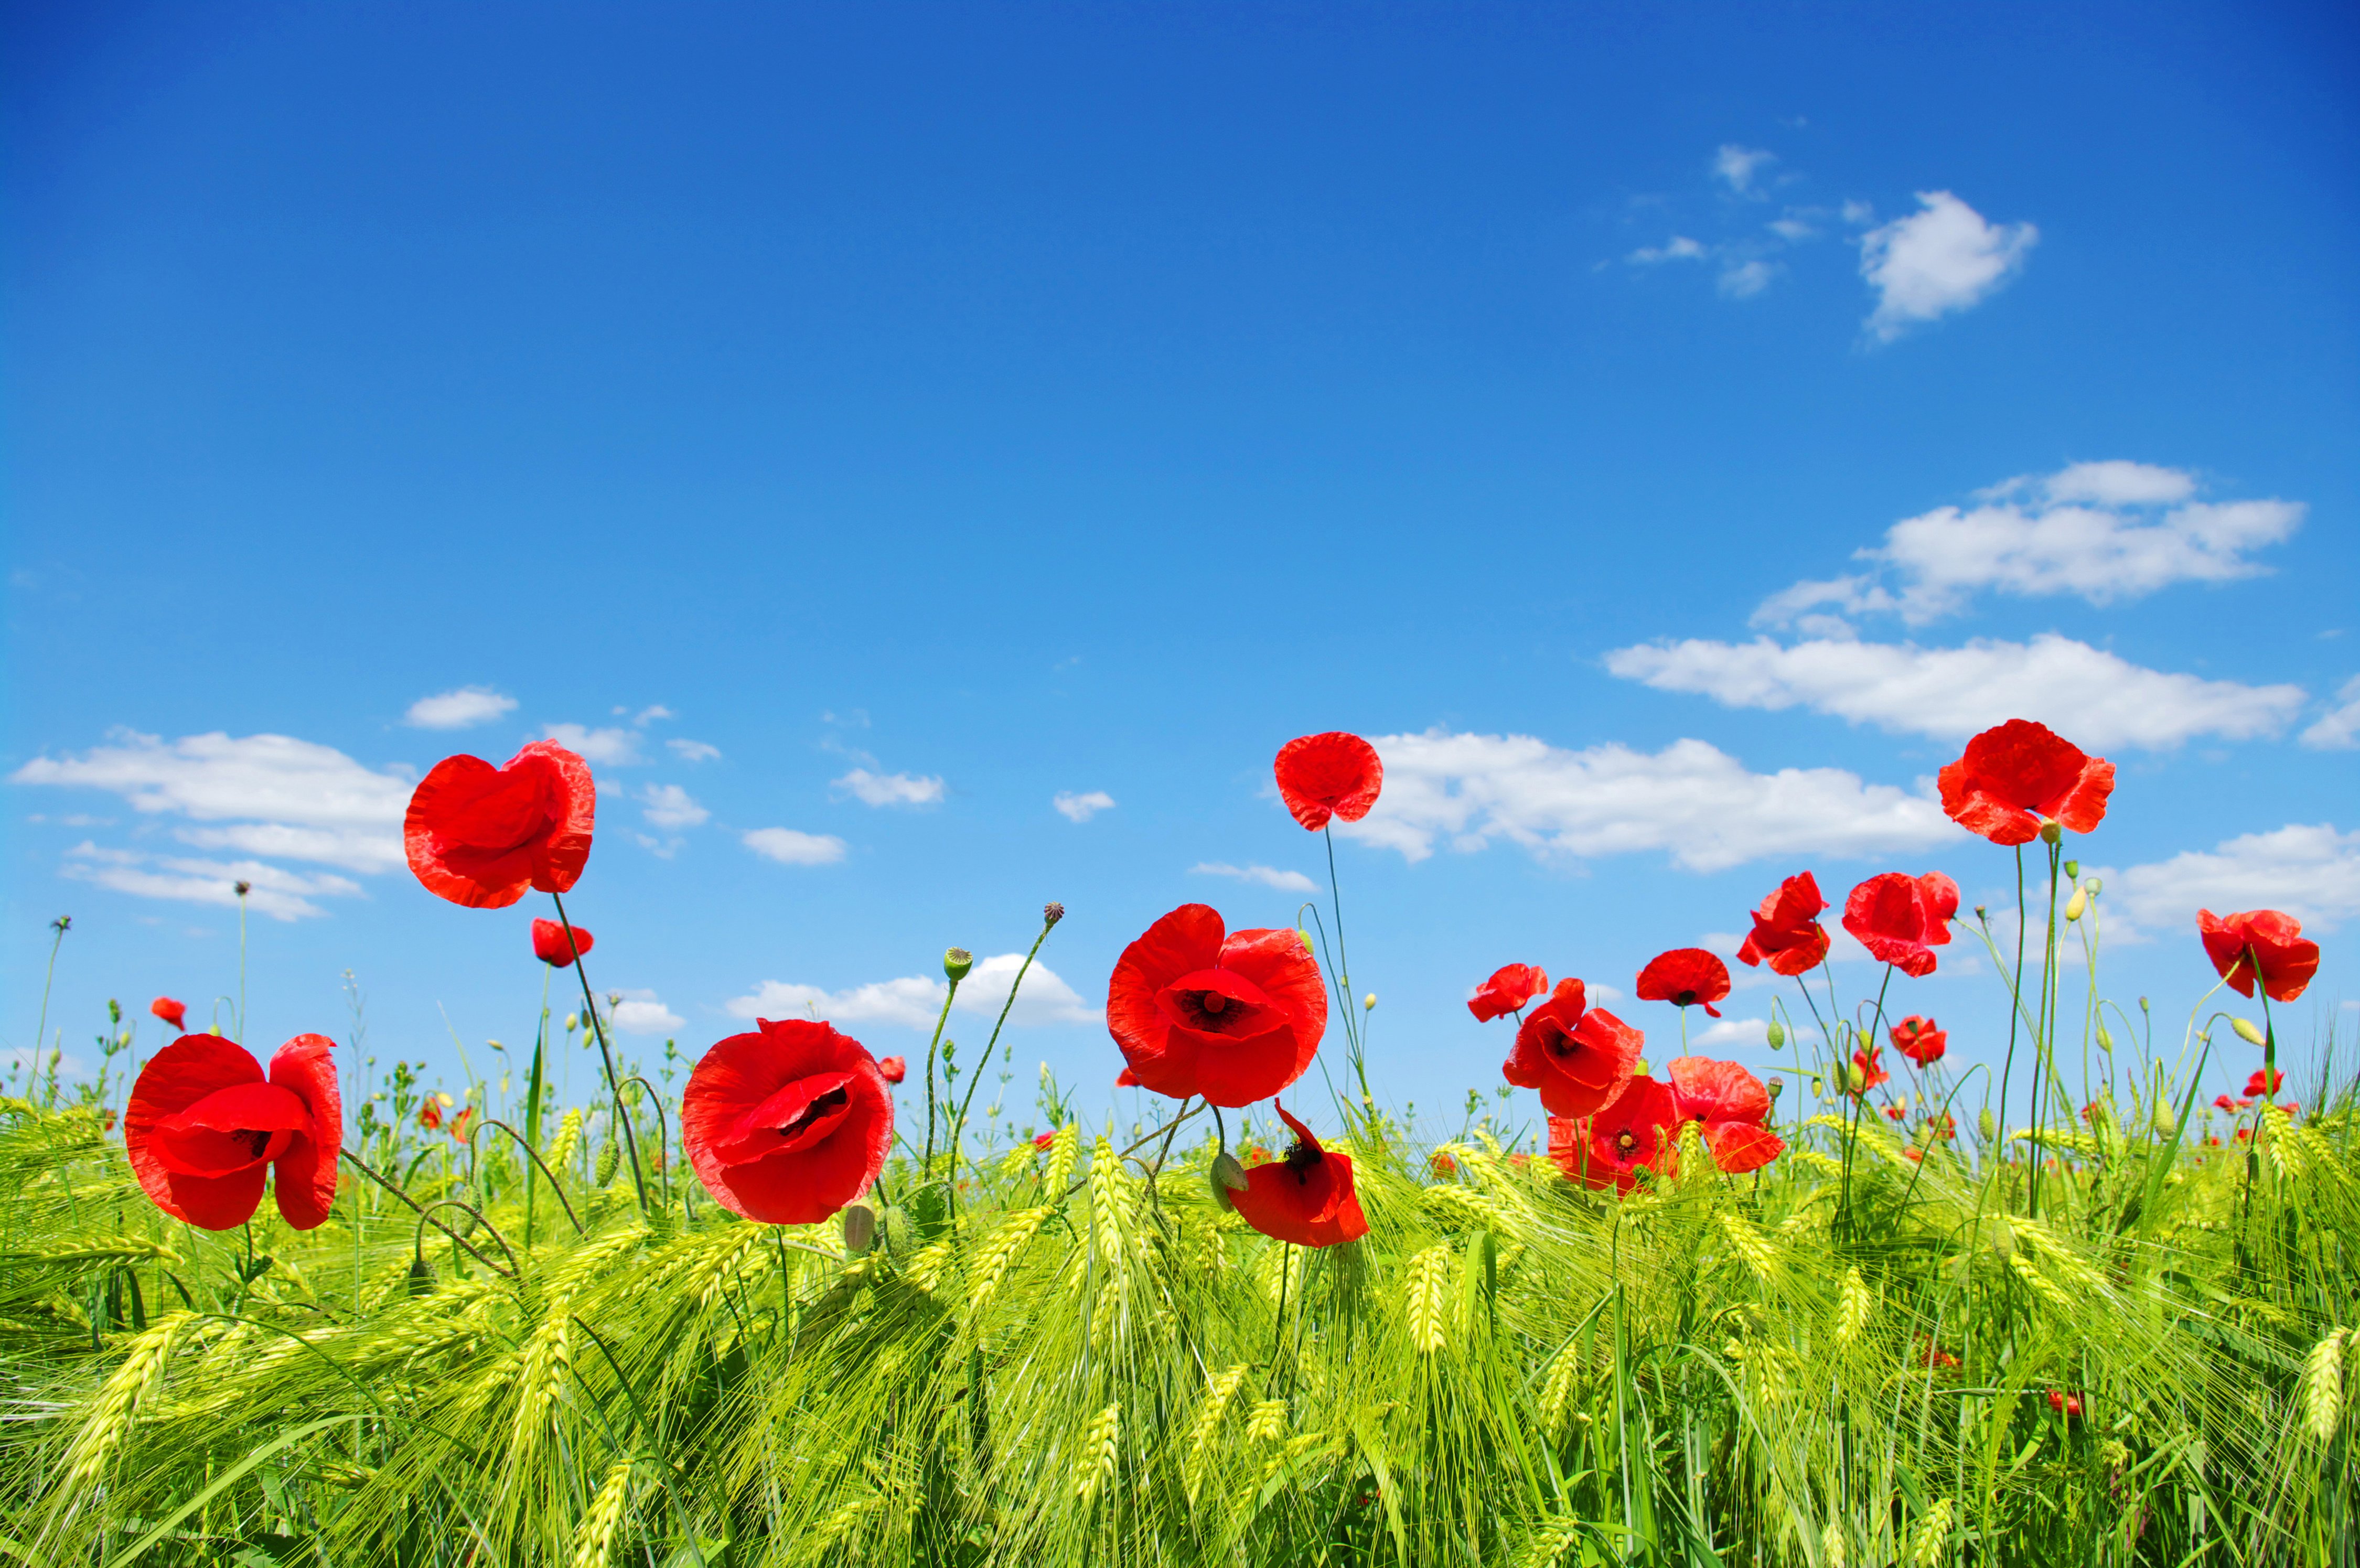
[1509, 989]
[1686, 976]
[2064, 1404]
[1579, 1060]
[173, 1013]
[462, 1122]
[1902, 919]
[1331, 775]
[1944, 1127]
[1307, 1198]
[1235, 1017]
[1639, 1129]
[2264, 1083]
[893, 1069]
[1937, 1359]
[482, 836]
[1043, 1139]
[204, 1128]
[787, 1124]
[2017, 776]
[1872, 1070]
[429, 1114]
[1919, 1041]
[549, 943]
[1731, 1107]
[1787, 931]
[2268, 943]
[1896, 1113]
[1443, 1165]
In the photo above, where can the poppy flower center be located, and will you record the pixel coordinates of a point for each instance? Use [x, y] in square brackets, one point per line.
[816, 1112]
[1219, 1002]
[1303, 1159]
[1684, 999]
[1625, 1142]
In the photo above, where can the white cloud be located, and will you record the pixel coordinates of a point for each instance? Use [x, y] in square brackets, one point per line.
[287, 798]
[1679, 247]
[1940, 259]
[1691, 799]
[789, 847]
[670, 806]
[2081, 530]
[1736, 165]
[462, 708]
[649, 714]
[1082, 808]
[1746, 279]
[1792, 229]
[1268, 876]
[915, 1001]
[2339, 728]
[641, 1012]
[2310, 872]
[888, 788]
[1732, 1031]
[694, 750]
[282, 895]
[615, 747]
[2095, 697]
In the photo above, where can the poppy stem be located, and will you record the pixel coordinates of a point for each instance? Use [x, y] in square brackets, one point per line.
[932, 1046]
[534, 1156]
[958, 1123]
[1278, 1322]
[363, 1167]
[62, 924]
[2043, 1036]
[605, 1055]
[1344, 971]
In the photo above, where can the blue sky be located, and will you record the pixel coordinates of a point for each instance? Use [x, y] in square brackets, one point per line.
[862, 429]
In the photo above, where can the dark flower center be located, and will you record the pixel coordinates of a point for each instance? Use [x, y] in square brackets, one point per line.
[1212, 1001]
[1683, 998]
[256, 1142]
[817, 1111]
[1301, 1159]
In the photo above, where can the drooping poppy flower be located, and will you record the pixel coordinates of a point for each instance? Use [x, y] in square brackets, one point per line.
[1307, 1198]
[173, 1013]
[1639, 1127]
[893, 1069]
[1731, 1108]
[1902, 919]
[1872, 1070]
[429, 1113]
[787, 1124]
[2065, 1404]
[550, 946]
[1442, 1165]
[1919, 1041]
[1043, 1139]
[1235, 1017]
[204, 1128]
[2264, 1083]
[1896, 1113]
[483, 836]
[2262, 942]
[2020, 775]
[1509, 989]
[1787, 931]
[1686, 976]
[1577, 1059]
[1331, 775]
[462, 1122]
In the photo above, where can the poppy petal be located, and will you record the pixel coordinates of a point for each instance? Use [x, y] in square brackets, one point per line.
[306, 1174]
[1335, 774]
[1740, 1147]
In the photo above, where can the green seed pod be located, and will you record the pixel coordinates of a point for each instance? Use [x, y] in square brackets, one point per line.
[1777, 1086]
[1776, 1034]
[2072, 870]
[2093, 886]
[859, 1228]
[2051, 832]
[956, 962]
[610, 1155]
[1985, 1126]
[2248, 1031]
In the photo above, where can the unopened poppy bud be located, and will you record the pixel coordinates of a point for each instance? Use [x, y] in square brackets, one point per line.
[859, 1228]
[2167, 1122]
[1819, 1087]
[2106, 1040]
[2051, 832]
[1985, 1126]
[1052, 912]
[2076, 904]
[1776, 1034]
[1855, 1078]
[572, 1022]
[1369, 1003]
[2143, 1004]
[2247, 1030]
[956, 962]
[1226, 1177]
[1867, 1041]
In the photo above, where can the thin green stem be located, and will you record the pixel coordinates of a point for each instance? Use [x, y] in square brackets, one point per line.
[605, 1055]
[61, 925]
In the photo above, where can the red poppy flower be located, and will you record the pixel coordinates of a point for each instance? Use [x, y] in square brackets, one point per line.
[2020, 775]
[1306, 1198]
[1234, 1018]
[2270, 944]
[1786, 931]
[171, 1012]
[1578, 1060]
[1895, 1113]
[2264, 1083]
[1902, 919]
[462, 1122]
[1443, 1166]
[787, 1124]
[2064, 1404]
[430, 1115]
[1043, 1139]
[481, 835]
[1919, 1041]
[1639, 1129]
[204, 1124]
[1686, 976]
[1331, 775]
[1509, 989]
[1872, 1070]
[549, 943]
[1733, 1109]
[893, 1069]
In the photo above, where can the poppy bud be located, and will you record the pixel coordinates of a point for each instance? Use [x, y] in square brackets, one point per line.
[1776, 1034]
[572, 1022]
[2166, 1121]
[859, 1228]
[2051, 832]
[1818, 1086]
[2072, 870]
[1052, 912]
[956, 962]
[1855, 1078]
[2143, 1004]
[610, 1155]
[1867, 1041]
[2106, 1040]
[1985, 1126]
[1369, 1003]
[2246, 1031]
[2076, 904]
[1227, 1176]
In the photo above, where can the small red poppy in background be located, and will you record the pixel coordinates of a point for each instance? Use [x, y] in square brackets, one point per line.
[1577, 1059]
[1043, 1139]
[1233, 1016]
[1896, 1113]
[893, 1069]
[549, 943]
[173, 1013]
[483, 836]
[204, 1130]
[1731, 1108]
[1872, 1070]
[2264, 1083]
[2014, 777]
[787, 1124]
[1443, 1166]
[2269, 943]
[1331, 775]
[1307, 1198]
[2222, 1102]
[429, 1114]
[1639, 1129]
[2065, 1404]
[1902, 919]
[1919, 1041]
[462, 1122]
[1787, 931]
[1509, 989]
[1686, 976]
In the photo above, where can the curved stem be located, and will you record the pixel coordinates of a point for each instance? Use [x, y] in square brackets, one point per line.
[363, 1167]
[426, 1217]
[535, 1158]
[598, 1026]
[663, 1132]
[958, 1122]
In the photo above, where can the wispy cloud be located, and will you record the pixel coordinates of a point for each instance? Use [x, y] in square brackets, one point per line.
[1268, 876]
[2338, 729]
[1082, 808]
[789, 847]
[282, 895]
[888, 788]
[2312, 872]
[670, 806]
[1939, 260]
[462, 708]
[1679, 247]
[1736, 167]
[915, 1001]
[643, 1012]
[694, 750]
[612, 746]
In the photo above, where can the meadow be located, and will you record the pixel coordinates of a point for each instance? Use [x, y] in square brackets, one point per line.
[2063, 1312]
